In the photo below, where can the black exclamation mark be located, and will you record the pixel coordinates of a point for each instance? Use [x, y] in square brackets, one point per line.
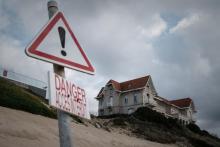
[62, 34]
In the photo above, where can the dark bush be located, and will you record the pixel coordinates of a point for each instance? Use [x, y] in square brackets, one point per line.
[92, 116]
[204, 132]
[194, 128]
[147, 114]
[77, 119]
[199, 143]
[119, 122]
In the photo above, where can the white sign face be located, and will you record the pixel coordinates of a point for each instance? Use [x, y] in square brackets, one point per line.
[56, 43]
[67, 96]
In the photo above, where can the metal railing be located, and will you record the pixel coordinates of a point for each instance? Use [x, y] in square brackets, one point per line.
[22, 78]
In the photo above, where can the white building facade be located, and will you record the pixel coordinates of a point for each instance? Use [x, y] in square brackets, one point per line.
[126, 97]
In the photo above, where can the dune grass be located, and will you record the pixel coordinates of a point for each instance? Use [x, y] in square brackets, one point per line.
[13, 96]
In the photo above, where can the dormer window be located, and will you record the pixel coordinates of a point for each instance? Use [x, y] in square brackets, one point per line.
[111, 91]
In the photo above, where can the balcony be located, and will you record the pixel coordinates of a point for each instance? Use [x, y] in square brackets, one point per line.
[181, 117]
[175, 115]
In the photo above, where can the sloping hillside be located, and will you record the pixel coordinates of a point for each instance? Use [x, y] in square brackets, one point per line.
[139, 129]
[150, 125]
[13, 96]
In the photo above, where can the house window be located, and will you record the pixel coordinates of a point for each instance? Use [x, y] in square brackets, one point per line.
[101, 112]
[5, 73]
[110, 110]
[148, 95]
[101, 101]
[135, 98]
[110, 101]
[111, 93]
[126, 100]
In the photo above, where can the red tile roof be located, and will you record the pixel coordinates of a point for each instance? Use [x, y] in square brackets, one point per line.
[185, 102]
[129, 85]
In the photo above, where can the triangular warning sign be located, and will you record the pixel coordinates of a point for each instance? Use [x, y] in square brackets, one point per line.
[57, 44]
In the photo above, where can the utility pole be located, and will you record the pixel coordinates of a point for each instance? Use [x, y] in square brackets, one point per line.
[63, 117]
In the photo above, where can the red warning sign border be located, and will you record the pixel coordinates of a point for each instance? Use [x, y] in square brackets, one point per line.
[32, 51]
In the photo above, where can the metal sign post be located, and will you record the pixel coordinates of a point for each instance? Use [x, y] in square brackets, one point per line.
[63, 117]
[49, 45]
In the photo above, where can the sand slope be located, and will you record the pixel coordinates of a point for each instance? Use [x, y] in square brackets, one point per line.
[21, 129]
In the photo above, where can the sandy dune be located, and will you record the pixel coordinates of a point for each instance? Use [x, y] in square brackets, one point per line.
[21, 129]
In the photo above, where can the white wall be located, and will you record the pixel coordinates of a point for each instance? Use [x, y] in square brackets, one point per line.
[148, 95]
[131, 105]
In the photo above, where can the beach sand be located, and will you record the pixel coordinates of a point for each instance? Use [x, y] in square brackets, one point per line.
[21, 129]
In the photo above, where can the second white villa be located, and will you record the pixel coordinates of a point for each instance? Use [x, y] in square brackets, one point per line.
[126, 97]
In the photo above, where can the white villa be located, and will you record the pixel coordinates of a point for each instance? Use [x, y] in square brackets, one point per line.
[126, 97]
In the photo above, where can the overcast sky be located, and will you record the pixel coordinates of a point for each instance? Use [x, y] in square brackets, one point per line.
[176, 42]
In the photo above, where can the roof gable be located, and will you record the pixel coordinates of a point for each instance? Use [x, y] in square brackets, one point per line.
[115, 84]
[151, 85]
